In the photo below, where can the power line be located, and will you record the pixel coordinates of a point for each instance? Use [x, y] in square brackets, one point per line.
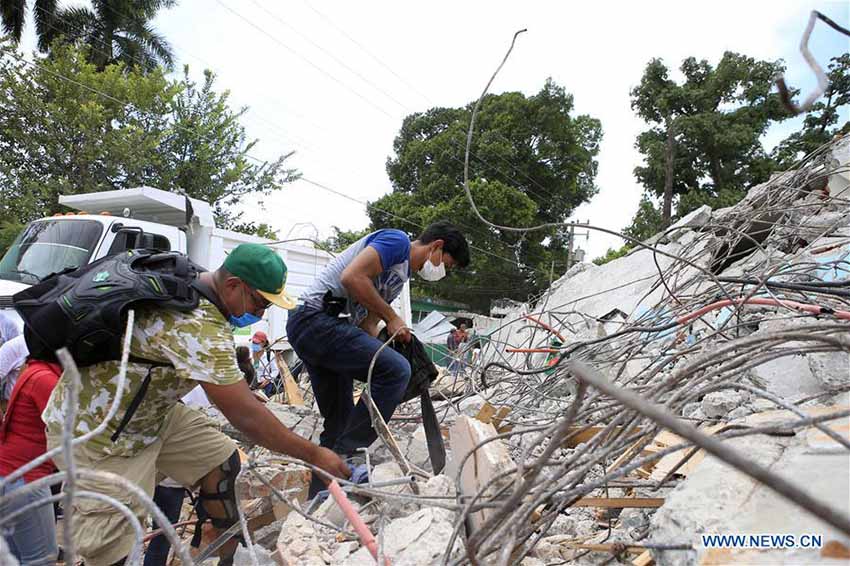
[127, 103]
[369, 53]
[248, 156]
[268, 34]
[457, 145]
[264, 162]
[340, 62]
[305, 59]
[430, 101]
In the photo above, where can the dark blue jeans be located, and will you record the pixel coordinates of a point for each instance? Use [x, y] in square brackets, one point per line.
[170, 500]
[335, 353]
[32, 536]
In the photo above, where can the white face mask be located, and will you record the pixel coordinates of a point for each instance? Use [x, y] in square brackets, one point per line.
[431, 272]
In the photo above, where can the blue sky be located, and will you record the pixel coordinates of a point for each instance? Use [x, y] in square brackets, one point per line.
[333, 80]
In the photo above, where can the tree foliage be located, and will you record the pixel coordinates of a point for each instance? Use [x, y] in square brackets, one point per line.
[532, 161]
[114, 30]
[341, 239]
[718, 115]
[823, 121]
[67, 128]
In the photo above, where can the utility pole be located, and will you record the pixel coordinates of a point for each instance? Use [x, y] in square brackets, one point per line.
[571, 242]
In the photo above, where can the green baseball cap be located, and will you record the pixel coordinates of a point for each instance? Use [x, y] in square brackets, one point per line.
[260, 267]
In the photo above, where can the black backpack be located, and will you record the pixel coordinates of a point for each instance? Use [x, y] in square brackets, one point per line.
[85, 309]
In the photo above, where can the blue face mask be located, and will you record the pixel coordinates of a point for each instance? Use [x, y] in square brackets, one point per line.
[256, 347]
[244, 320]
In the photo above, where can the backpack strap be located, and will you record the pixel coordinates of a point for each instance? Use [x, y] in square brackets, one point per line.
[137, 398]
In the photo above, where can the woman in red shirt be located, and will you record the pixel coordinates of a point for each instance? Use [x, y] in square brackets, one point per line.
[32, 536]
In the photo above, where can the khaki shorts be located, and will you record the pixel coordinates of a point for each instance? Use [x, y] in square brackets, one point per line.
[188, 448]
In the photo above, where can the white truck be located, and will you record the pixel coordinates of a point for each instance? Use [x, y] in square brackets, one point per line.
[113, 221]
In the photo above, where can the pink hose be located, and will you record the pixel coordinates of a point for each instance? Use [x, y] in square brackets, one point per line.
[813, 309]
[546, 326]
[356, 521]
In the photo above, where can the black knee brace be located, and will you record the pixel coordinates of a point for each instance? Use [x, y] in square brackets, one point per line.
[225, 493]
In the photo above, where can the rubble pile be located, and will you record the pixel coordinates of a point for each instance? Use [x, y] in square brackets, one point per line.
[732, 321]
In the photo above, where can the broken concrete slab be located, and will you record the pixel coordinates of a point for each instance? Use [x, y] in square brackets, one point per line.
[717, 499]
[485, 462]
[421, 538]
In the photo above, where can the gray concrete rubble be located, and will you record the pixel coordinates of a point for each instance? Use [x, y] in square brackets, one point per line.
[732, 322]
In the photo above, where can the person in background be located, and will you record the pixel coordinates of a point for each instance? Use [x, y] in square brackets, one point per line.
[459, 338]
[451, 344]
[243, 360]
[335, 331]
[13, 355]
[8, 328]
[264, 363]
[31, 537]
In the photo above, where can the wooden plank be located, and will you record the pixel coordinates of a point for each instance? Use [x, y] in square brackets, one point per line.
[665, 439]
[485, 414]
[627, 456]
[500, 415]
[293, 394]
[621, 502]
[581, 434]
[645, 559]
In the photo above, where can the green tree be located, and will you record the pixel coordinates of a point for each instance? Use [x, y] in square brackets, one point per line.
[704, 135]
[206, 153]
[647, 221]
[823, 121]
[532, 160]
[66, 128]
[118, 31]
[9, 230]
[341, 239]
[115, 30]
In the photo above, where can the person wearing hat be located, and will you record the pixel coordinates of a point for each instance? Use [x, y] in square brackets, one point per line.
[164, 437]
[335, 331]
[264, 363]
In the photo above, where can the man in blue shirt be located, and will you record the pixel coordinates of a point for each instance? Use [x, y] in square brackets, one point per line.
[334, 331]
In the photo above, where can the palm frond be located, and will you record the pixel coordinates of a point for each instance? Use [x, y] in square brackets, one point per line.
[77, 24]
[13, 13]
[44, 12]
[153, 43]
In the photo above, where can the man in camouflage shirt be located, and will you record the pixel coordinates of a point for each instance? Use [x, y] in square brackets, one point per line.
[164, 437]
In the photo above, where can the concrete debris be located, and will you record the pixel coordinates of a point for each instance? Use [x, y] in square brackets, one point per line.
[420, 538]
[707, 325]
[294, 480]
[720, 403]
[264, 557]
[478, 464]
[299, 541]
[719, 500]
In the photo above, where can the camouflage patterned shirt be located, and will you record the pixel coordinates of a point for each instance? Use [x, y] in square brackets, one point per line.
[198, 344]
